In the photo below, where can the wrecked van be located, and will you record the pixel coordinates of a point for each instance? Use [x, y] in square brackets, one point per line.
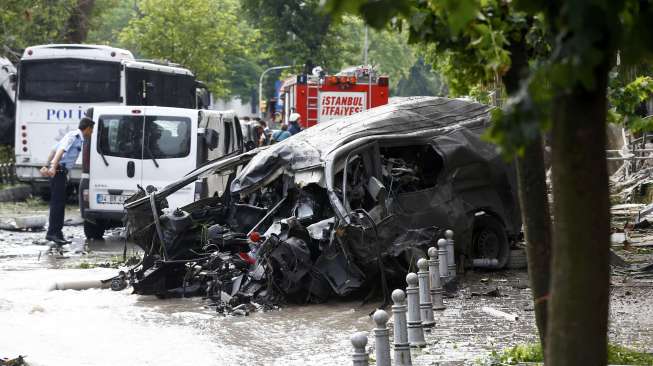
[342, 209]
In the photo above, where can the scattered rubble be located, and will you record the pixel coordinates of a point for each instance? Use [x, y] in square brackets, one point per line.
[33, 222]
[499, 313]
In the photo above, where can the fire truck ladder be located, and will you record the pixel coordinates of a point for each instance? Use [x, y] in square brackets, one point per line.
[312, 93]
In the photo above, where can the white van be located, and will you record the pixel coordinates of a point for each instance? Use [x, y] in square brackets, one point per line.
[148, 147]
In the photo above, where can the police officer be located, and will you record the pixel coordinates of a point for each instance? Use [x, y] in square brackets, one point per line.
[293, 123]
[61, 160]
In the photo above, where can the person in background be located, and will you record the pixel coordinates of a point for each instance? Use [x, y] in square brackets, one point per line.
[61, 159]
[281, 134]
[262, 138]
[266, 130]
[293, 123]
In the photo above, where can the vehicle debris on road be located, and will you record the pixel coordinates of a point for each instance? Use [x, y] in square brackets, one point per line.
[342, 209]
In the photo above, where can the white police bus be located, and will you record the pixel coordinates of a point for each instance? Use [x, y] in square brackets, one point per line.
[57, 83]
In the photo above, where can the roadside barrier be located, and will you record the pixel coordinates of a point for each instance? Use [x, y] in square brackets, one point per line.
[425, 305]
[412, 310]
[400, 333]
[415, 330]
[442, 257]
[434, 279]
[382, 338]
[451, 257]
[360, 356]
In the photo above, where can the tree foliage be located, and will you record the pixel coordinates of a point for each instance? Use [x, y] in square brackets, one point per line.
[627, 101]
[79, 21]
[29, 22]
[109, 18]
[201, 35]
[420, 80]
[388, 51]
[295, 31]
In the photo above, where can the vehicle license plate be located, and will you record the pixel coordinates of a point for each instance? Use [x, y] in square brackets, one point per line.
[111, 199]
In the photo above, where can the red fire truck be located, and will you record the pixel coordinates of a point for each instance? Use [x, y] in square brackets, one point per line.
[319, 98]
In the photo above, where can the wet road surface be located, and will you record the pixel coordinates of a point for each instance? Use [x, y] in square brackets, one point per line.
[104, 327]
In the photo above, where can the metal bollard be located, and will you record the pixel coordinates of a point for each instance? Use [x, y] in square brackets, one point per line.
[360, 356]
[442, 257]
[434, 276]
[451, 256]
[402, 348]
[415, 330]
[382, 338]
[425, 305]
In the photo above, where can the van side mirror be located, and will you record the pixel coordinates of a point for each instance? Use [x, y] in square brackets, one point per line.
[211, 138]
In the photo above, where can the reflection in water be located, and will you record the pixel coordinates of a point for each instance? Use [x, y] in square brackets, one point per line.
[103, 327]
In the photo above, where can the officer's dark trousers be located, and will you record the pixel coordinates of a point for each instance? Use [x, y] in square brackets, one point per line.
[57, 203]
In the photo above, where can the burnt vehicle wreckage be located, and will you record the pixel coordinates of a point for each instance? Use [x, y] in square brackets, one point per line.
[342, 209]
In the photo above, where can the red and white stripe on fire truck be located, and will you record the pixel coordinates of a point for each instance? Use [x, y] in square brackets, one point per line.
[338, 104]
[322, 98]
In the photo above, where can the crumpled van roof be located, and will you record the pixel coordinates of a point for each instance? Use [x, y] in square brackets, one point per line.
[424, 115]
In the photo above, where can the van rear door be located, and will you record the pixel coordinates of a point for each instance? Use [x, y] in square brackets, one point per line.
[169, 150]
[115, 158]
[230, 142]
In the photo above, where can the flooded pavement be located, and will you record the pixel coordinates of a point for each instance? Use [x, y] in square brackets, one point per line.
[104, 327]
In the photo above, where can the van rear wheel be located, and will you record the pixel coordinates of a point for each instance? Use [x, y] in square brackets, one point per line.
[490, 241]
[94, 230]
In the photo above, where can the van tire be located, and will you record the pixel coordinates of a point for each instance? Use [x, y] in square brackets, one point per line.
[94, 231]
[489, 240]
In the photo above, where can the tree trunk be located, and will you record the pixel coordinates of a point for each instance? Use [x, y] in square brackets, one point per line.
[537, 229]
[78, 22]
[578, 307]
[533, 200]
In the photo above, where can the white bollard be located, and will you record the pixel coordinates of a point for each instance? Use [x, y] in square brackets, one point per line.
[360, 356]
[425, 305]
[442, 257]
[415, 330]
[382, 338]
[451, 256]
[402, 348]
[434, 276]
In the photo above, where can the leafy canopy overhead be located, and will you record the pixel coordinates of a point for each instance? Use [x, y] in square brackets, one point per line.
[296, 31]
[203, 35]
[26, 23]
[471, 42]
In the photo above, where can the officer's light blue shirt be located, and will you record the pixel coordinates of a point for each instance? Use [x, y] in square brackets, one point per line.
[71, 143]
[280, 135]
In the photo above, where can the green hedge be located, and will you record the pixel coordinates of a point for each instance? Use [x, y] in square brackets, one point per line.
[617, 355]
